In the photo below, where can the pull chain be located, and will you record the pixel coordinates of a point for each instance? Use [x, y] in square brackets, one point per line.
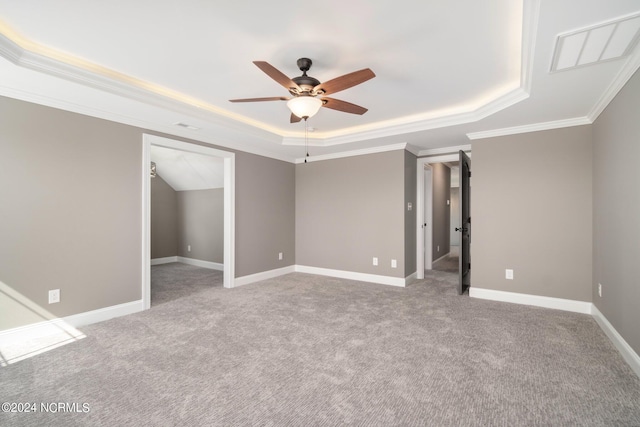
[306, 138]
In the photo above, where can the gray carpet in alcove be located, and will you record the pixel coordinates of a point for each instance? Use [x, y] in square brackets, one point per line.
[308, 350]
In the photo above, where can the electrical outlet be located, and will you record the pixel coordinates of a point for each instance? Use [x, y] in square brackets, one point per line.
[409, 206]
[280, 256]
[394, 263]
[508, 274]
[375, 261]
[188, 248]
[599, 289]
[54, 296]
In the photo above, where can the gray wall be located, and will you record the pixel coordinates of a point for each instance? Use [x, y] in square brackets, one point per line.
[164, 219]
[71, 209]
[200, 220]
[616, 230]
[410, 190]
[350, 210]
[441, 211]
[71, 214]
[265, 214]
[531, 212]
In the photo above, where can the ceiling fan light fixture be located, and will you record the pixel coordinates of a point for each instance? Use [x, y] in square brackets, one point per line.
[304, 106]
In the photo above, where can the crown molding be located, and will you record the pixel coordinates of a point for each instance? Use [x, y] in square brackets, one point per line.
[76, 70]
[170, 129]
[535, 127]
[352, 153]
[628, 70]
[445, 150]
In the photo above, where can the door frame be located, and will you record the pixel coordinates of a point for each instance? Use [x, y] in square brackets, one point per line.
[229, 207]
[423, 242]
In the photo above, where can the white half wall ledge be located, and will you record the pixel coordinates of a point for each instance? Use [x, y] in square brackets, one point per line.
[533, 300]
[628, 354]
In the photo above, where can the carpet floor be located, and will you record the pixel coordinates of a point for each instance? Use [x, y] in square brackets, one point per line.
[450, 263]
[309, 350]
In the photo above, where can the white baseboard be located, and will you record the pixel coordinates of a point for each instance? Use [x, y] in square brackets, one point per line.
[629, 355]
[535, 300]
[165, 260]
[263, 275]
[442, 257]
[200, 263]
[189, 261]
[25, 341]
[363, 277]
[44, 328]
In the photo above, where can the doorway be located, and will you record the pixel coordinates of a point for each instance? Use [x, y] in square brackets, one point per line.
[229, 203]
[424, 202]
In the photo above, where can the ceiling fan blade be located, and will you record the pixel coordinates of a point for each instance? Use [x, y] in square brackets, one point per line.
[347, 107]
[273, 98]
[294, 118]
[277, 75]
[344, 82]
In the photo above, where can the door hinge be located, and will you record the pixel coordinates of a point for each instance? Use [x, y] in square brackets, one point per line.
[469, 266]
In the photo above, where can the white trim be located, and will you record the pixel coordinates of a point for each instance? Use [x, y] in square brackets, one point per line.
[352, 275]
[629, 355]
[535, 127]
[47, 61]
[68, 324]
[628, 70]
[146, 224]
[165, 260]
[102, 314]
[442, 257]
[372, 150]
[229, 207]
[23, 342]
[263, 275]
[535, 300]
[200, 263]
[444, 150]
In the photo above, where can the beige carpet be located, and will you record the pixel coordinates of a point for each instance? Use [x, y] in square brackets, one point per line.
[308, 350]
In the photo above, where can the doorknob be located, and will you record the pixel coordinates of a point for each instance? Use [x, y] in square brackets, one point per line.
[460, 229]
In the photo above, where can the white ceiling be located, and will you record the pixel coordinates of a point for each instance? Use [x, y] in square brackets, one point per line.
[188, 171]
[445, 71]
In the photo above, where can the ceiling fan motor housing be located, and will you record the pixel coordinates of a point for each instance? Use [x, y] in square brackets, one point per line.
[306, 83]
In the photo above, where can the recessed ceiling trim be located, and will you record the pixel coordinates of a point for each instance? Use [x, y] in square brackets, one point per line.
[27, 54]
[507, 100]
[444, 150]
[628, 70]
[372, 150]
[557, 124]
[24, 53]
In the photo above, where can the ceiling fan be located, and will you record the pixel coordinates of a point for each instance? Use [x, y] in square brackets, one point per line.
[308, 94]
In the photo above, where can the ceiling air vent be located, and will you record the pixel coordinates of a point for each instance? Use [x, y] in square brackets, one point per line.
[603, 42]
[187, 126]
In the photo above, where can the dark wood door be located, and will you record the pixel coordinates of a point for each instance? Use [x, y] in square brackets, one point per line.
[465, 224]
